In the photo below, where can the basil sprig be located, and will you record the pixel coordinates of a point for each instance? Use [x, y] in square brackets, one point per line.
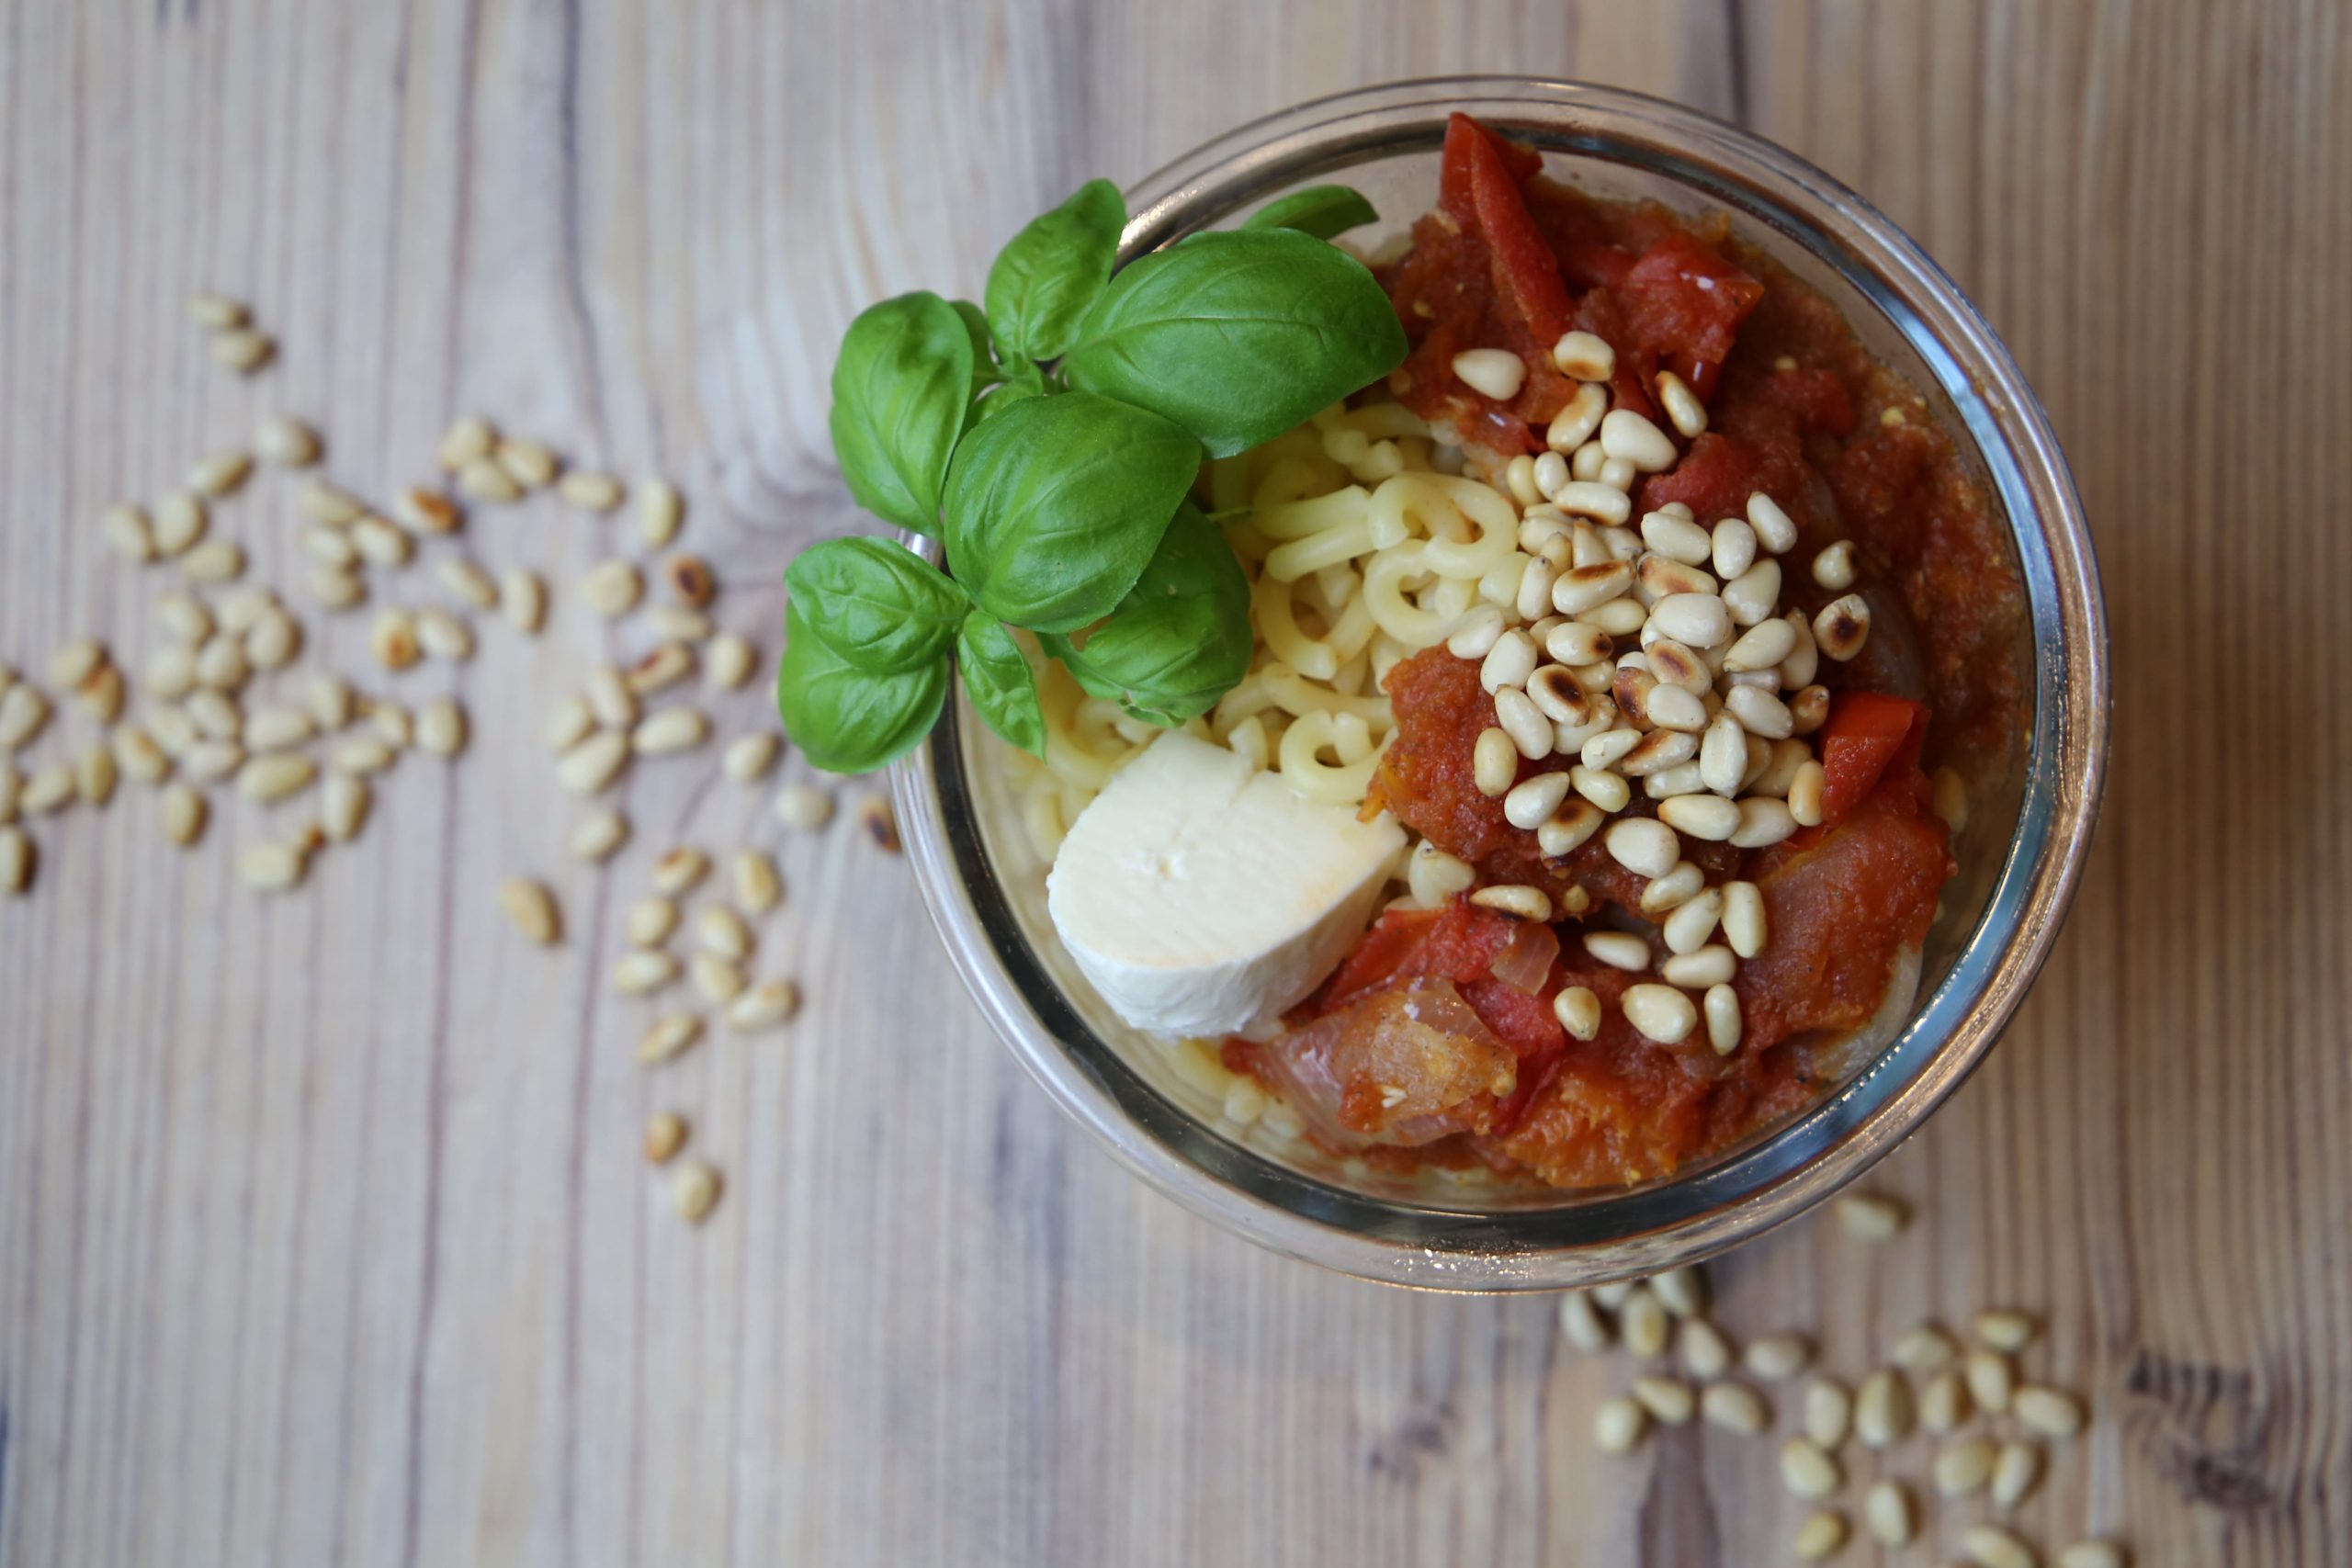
[1051, 439]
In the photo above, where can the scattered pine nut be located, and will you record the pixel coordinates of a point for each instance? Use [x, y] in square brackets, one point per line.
[276, 776]
[441, 727]
[671, 729]
[881, 825]
[589, 492]
[1943, 1402]
[276, 639]
[1734, 1407]
[694, 1192]
[758, 887]
[180, 522]
[610, 701]
[137, 757]
[344, 801]
[727, 662]
[2047, 1412]
[1821, 1535]
[664, 665]
[680, 869]
[523, 598]
[210, 760]
[1994, 1546]
[650, 921]
[422, 510]
[392, 640]
[1828, 1413]
[380, 543]
[271, 867]
[642, 973]
[670, 1034]
[129, 532]
[1868, 1216]
[1647, 1327]
[1670, 1400]
[277, 728]
[1888, 1510]
[1618, 1424]
[2016, 1471]
[24, 713]
[216, 717]
[530, 464]
[1707, 1354]
[723, 931]
[1925, 1350]
[680, 623]
[532, 908]
[665, 1134]
[184, 812]
[660, 511]
[1883, 1410]
[50, 788]
[75, 662]
[690, 579]
[444, 635]
[329, 505]
[612, 589]
[216, 312]
[1991, 1380]
[750, 758]
[764, 1006]
[720, 980]
[334, 588]
[215, 560]
[592, 765]
[173, 730]
[1682, 1292]
[1808, 1471]
[243, 350]
[360, 755]
[599, 836]
[569, 723]
[15, 860]
[1776, 1356]
[483, 480]
[285, 442]
[2007, 1331]
[2093, 1554]
[1962, 1467]
[804, 807]
[1584, 1326]
[220, 473]
[469, 583]
[221, 664]
[467, 441]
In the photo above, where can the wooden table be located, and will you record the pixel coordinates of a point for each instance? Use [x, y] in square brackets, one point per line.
[324, 1234]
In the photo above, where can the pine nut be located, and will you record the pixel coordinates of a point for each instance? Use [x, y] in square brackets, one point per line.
[1949, 800]
[1962, 1467]
[216, 312]
[680, 869]
[468, 440]
[612, 589]
[1586, 588]
[334, 589]
[691, 580]
[1645, 847]
[528, 463]
[1578, 419]
[1993, 1546]
[274, 642]
[1806, 788]
[1677, 888]
[1659, 1012]
[1750, 598]
[380, 543]
[524, 599]
[1702, 971]
[643, 973]
[723, 931]
[1579, 1011]
[720, 980]
[1732, 1406]
[127, 530]
[482, 480]
[663, 666]
[184, 617]
[1990, 1381]
[1776, 1356]
[1943, 1402]
[1616, 1293]
[1531, 802]
[277, 728]
[220, 473]
[392, 640]
[285, 442]
[2047, 1412]
[184, 813]
[1925, 1348]
[2007, 1331]
[2093, 1554]
[670, 1034]
[441, 727]
[804, 807]
[359, 755]
[694, 1192]
[469, 583]
[1807, 1470]
[2016, 1471]
[765, 1006]
[671, 729]
[277, 776]
[752, 757]
[1700, 620]
[1584, 1326]
[592, 764]
[17, 860]
[444, 635]
[1670, 1400]
[660, 511]
[727, 661]
[180, 522]
[589, 492]
[271, 867]
[221, 664]
[1706, 817]
[1584, 357]
[1644, 1323]
[1822, 1535]
[1882, 1412]
[210, 760]
[569, 723]
[94, 774]
[758, 887]
[215, 560]
[1762, 822]
[422, 510]
[1618, 950]
[679, 623]
[1720, 1006]
[243, 350]
[1842, 626]
[1618, 617]
[1517, 900]
[329, 505]
[599, 836]
[1605, 790]
[1828, 1413]
[1834, 568]
[215, 715]
[137, 756]
[665, 1134]
[1761, 646]
[50, 788]
[1618, 1424]
[1495, 373]
[1630, 436]
[344, 800]
[1681, 405]
[1888, 1510]
[1707, 1354]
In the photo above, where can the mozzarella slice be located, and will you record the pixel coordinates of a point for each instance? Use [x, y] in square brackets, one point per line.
[1204, 897]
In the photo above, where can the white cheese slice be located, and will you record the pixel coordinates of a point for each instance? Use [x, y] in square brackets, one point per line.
[1204, 897]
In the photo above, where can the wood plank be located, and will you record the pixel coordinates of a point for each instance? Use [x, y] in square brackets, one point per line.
[324, 1237]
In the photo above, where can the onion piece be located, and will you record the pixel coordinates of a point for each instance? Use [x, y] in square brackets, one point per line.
[1525, 962]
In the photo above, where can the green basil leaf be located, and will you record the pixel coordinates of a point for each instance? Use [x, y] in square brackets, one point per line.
[1002, 397]
[997, 679]
[1054, 507]
[881, 607]
[1181, 639]
[1319, 210]
[1238, 335]
[1042, 283]
[844, 719]
[900, 389]
[985, 371]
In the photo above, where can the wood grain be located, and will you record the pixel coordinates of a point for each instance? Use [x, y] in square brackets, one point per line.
[322, 1234]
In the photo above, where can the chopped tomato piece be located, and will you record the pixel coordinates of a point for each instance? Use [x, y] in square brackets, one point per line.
[1866, 734]
[1683, 299]
[1457, 942]
[1454, 180]
[1528, 273]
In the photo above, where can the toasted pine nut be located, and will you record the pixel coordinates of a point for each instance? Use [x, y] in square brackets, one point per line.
[642, 973]
[670, 1034]
[528, 463]
[129, 532]
[271, 867]
[1776, 1356]
[671, 729]
[220, 473]
[764, 1006]
[1842, 626]
[592, 764]
[1517, 900]
[752, 757]
[243, 350]
[184, 814]
[285, 442]
[468, 440]
[483, 480]
[599, 835]
[180, 522]
[392, 640]
[1821, 1535]
[680, 869]
[1808, 1471]
[216, 312]
[665, 1134]
[694, 1192]
[17, 858]
[589, 492]
[1584, 357]
[1962, 1467]
[344, 800]
[804, 807]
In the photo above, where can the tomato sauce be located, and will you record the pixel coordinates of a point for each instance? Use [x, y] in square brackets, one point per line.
[1796, 409]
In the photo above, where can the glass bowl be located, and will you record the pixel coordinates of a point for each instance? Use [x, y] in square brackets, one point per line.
[1156, 1108]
